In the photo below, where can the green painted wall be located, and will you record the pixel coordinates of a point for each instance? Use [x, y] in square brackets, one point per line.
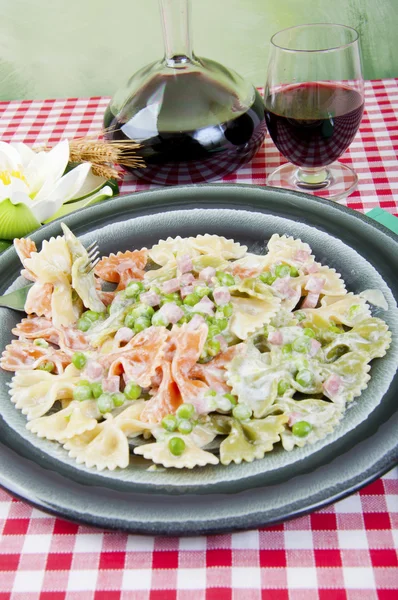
[57, 48]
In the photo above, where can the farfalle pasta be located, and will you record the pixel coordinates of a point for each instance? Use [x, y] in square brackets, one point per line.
[202, 353]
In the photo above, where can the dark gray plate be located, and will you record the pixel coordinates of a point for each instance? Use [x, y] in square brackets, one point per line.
[215, 499]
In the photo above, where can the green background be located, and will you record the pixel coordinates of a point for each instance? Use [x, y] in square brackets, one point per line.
[58, 48]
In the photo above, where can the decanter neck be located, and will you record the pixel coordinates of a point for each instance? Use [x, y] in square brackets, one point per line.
[176, 24]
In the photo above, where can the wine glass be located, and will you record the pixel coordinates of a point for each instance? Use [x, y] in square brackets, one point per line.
[314, 101]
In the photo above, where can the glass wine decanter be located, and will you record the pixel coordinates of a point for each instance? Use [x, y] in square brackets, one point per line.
[195, 120]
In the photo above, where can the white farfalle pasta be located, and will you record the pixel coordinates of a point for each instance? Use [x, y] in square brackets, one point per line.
[208, 355]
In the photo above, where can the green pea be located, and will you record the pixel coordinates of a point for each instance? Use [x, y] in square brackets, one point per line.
[287, 349]
[283, 386]
[118, 398]
[228, 309]
[301, 344]
[105, 403]
[129, 321]
[267, 277]
[173, 297]
[233, 399]
[300, 316]
[183, 320]
[225, 278]
[132, 391]
[142, 310]
[176, 446]
[304, 377]
[211, 393]
[221, 323]
[301, 428]
[309, 332]
[159, 320]
[79, 360]
[83, 324]
[82, 392]
[282, 270]
[185, 411]
[170, 423]
[335, 329]
[91, 315]
[294, 272]
[42, 343]
[191, 299]
[202, 290]
[242, 412]
[47, 366]
[213, 347]
[96, 389]
[134, 288]
[141, 323]
[185, 426]
[213, 331]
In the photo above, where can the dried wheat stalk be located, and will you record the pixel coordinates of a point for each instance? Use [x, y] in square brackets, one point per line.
[104, 154]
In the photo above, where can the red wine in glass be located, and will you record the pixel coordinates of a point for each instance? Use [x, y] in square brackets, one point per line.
[313, 124]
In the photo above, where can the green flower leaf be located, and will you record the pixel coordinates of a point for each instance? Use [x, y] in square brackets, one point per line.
[16, 220]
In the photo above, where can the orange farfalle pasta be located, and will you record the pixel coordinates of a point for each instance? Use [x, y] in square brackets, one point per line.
[26, 355]
[189, 347]
[140, 358]
[120, 268]
[213, 373]
[166, 400]
[38, 300]
[40, 327]
[24, 247]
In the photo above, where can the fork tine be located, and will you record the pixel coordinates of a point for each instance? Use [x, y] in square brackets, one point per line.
[93, 264]
[93, 251]
[94, 243]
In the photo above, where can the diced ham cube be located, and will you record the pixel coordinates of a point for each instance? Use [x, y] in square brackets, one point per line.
[221, 295]
[315, 285]
[275, 337]
[111, 384]
[186, 279]
[207, 274]
[315, 346]
[293, 418]
[187, 289]
[173, 285]
[310, 301]
[150, 298]
[205, 306]
[184, 263]
[124, 334]
[223, 342]
[93, 370]
[312, 268]
[301, 256]
[332, 385]
[283, 287]
[172, 312]
[195, 322]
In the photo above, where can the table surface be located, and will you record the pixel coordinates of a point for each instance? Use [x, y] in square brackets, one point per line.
[345, 551]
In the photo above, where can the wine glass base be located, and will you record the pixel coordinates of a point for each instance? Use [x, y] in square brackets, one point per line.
[334, 182]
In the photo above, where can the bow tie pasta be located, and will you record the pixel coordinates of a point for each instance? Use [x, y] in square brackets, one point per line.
[202, 354]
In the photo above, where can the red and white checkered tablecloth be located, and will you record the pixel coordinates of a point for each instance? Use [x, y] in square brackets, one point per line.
[346, 551]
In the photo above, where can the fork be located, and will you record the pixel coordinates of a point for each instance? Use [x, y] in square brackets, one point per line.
[16, 300]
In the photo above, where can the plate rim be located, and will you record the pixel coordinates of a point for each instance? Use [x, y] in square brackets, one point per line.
[120, 201]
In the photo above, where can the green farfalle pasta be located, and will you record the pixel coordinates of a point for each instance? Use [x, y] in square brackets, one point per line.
[252, 439]
[370, 336]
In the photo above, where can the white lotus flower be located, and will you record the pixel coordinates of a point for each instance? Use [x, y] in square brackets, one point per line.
[33, 187]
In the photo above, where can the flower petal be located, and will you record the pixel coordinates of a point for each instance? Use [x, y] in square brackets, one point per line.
[46, 168]
[65, 189]
[25, 152]
[105, 192]
[16, 219]
[92, 184]
[9, 158]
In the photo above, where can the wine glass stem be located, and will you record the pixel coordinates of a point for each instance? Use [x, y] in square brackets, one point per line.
[176, 24]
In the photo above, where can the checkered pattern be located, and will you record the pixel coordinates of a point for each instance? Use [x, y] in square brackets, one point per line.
[344, 552]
